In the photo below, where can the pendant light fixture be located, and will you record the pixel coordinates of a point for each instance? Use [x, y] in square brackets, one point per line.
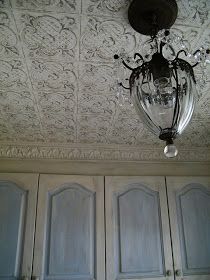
[162, 84]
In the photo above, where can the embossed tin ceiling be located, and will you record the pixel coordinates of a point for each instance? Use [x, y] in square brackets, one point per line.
[57, 81]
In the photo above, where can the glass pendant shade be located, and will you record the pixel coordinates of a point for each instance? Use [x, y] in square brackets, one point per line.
[162, 83]
[162, 92]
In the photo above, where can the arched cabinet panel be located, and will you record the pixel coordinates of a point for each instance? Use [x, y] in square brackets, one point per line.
[136, 246]
[12, 216]
[189, 203]
[139, 232]
[70, 228]
[70, 232]
[17, 219]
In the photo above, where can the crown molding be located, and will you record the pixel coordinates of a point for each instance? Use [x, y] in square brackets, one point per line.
[87, 152]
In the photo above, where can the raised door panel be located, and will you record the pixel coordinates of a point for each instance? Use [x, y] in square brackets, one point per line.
[17, 220]
[12, 213]
[189, 200]
[70, 233]
[137, 228]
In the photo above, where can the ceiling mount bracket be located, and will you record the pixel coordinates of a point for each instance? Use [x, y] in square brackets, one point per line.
[150, 16]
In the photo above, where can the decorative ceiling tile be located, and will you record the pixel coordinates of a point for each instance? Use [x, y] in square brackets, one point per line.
[12, 101]
[106, 7]
[197, 134]
[53, 121]
[96, 104]
[24, 119]
[57, 79]
[21, 126]
[4, 4]
[53, 76]
[92, 128]
[31, 135]
[9, 45]
[205, 109]
[57, 103]
[202, 106]
[194, 37]
[127, 110]
[55, 135]
[13, 76]
[125, 130]
[101, 38]
[145, 137]
[49, 36]
[17, 136]
[96, 78]
[5, 129]
[194, 12]
[69, 6]
[189, 33]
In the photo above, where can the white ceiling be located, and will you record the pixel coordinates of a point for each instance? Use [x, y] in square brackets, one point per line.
[57, 96]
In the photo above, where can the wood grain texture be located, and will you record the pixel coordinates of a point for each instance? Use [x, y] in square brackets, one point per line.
[139, 232]
[189, 206]
[18, 194]
[71, 233]
[137, 229]
[105, 167]
[70, 228]
[12, 220]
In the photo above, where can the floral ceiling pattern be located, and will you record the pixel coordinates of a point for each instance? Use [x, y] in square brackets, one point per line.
[57, 74]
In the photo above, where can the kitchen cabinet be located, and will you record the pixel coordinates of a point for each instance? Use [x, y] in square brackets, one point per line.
[137, 229]
[189, 208]
[69, 242]
[18, 197]
[66, 227]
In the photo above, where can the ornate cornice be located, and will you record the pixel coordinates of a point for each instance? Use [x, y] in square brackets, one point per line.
[101, 153]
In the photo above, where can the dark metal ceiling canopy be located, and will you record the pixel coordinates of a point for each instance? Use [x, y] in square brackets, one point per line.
[149, 16]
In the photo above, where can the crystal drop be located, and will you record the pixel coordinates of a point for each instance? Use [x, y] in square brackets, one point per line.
[170, 151]
[168, 52]
[191, 58]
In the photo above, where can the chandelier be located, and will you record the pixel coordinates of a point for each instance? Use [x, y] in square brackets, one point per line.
[162, 83]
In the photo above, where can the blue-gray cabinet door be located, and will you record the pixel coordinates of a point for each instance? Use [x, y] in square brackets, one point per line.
[18, 194]
[138, 242]
[189, 206]
[69, 241]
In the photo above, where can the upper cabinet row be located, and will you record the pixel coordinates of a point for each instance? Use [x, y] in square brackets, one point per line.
[63, 227]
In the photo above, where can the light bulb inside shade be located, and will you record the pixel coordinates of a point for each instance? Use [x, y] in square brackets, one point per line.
[165, 92]
[161, 82]
[170, 151]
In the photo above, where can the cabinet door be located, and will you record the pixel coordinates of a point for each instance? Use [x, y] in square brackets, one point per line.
[137, 229]
[189, 205]
[18, 194]
[69, 241]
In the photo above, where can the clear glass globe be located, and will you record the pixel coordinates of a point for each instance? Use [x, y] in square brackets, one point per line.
[170, 151]
[165, 104]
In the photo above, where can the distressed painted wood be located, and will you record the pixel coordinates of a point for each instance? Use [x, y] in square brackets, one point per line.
[12, 214]
[107, 168]
[137, 229]
[189, 205]
[70, 228]
[70, 232]
[17, 221]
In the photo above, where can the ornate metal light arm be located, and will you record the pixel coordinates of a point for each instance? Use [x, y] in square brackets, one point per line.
[121, 84]
[159, 84]
[160, 50]
[162, 84]
[207, 51]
